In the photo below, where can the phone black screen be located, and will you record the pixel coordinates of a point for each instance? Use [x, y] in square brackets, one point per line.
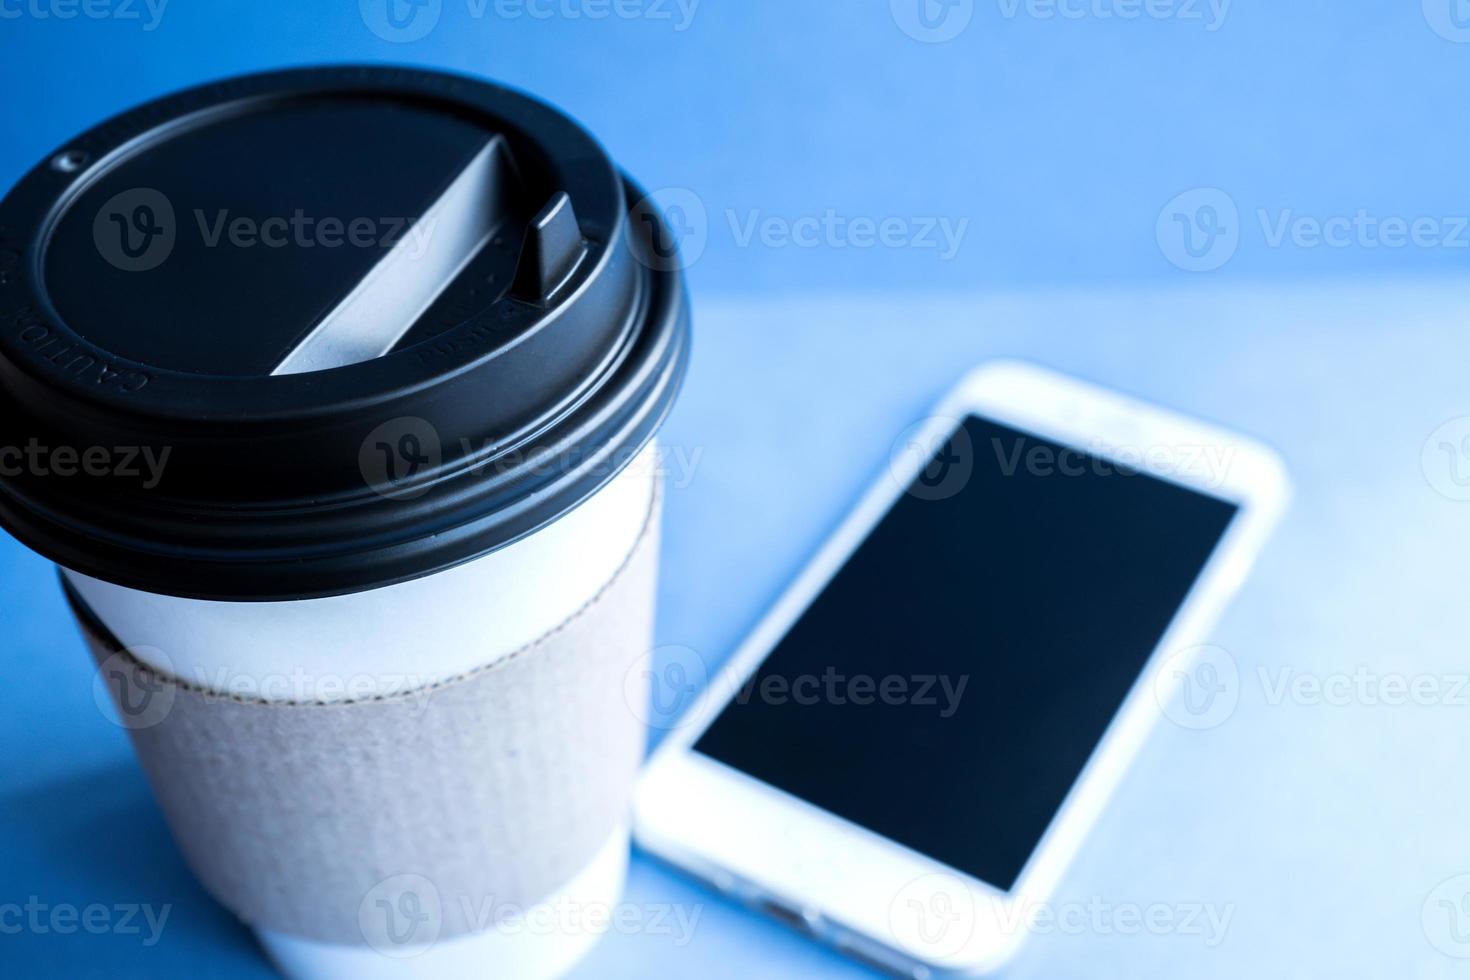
[949, 684]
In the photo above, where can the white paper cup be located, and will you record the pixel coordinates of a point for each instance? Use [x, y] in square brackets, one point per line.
[338, 391]
[408, 636]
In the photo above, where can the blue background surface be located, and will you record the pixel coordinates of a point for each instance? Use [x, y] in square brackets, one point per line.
[1060, 140]
[1062, 143]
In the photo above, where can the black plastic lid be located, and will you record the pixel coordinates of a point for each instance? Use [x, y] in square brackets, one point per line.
[311, 332]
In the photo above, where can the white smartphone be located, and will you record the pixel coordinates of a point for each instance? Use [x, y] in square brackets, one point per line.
[907, 751]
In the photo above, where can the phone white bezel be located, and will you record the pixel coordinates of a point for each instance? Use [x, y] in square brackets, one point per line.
[852, 887]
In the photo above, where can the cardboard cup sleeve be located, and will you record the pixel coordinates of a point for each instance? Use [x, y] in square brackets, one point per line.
[499, 784]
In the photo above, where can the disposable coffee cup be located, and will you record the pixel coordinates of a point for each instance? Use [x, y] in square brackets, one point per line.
[333, 394]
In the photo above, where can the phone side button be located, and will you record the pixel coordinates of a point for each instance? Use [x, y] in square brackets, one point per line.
[802, 920]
